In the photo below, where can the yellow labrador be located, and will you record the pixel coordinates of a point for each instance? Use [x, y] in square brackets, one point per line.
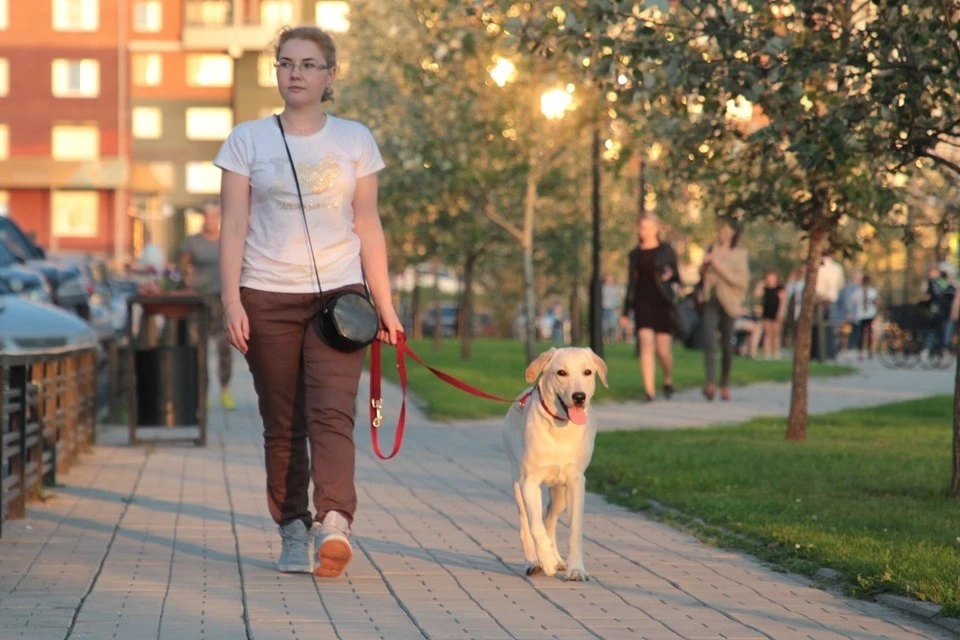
[549, 438]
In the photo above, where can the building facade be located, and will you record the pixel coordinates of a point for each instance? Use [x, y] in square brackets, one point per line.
[111, 111]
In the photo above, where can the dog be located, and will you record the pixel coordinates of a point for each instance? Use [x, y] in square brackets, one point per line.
[548, 435]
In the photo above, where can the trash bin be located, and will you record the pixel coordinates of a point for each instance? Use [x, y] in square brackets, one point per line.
[168, 360]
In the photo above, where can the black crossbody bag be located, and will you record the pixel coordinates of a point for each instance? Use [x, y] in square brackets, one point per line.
[347, 321]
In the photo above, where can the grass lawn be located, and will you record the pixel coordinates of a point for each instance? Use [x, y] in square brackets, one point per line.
[865, 495]
[497, 366]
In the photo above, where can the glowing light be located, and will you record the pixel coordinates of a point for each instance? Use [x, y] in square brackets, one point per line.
[554, 103]
[503, 72]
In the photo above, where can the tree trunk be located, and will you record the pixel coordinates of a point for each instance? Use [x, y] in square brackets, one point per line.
[797, 420]
[437, 311]
[908, 242]
[955, 481]
[530, 294]
[415, 307]
[465, 313]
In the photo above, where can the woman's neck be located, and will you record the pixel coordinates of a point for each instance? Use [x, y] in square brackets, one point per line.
[649, 244]
[305, 120]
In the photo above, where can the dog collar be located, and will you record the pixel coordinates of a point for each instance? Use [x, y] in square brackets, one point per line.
[543, 403]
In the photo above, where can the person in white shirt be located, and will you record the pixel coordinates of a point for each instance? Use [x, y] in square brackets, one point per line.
[152, 258]
[864, 305]
[829, 283]
[268, 245]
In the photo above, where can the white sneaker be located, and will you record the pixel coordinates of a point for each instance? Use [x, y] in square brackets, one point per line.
[333, 550]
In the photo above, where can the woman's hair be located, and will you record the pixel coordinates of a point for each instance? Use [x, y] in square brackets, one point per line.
[734, 226]
[317, 36]
[652, 217]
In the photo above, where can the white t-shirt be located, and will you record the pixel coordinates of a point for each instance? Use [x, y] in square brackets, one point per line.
[276, 256]
[829, 280]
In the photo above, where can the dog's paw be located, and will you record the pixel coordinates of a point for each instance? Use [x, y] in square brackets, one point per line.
[577, 574]
[550, 567]
[534, 570]
[561, 566]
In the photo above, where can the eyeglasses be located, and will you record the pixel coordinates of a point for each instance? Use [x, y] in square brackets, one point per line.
[288, 66]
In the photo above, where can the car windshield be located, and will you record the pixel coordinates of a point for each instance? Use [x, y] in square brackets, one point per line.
[13, 239]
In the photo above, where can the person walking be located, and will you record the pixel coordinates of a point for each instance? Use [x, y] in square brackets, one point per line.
[200, 265]
[726, 274]
[651, 274]
[772, 295]
[270, 246]
[864, 306]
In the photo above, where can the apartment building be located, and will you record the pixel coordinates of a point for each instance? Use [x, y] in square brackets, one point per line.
[64, 145]
[197, 68]
[111, 111]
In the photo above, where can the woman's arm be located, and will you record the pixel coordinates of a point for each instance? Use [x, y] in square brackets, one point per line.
[733, 268]
[234, 224]
[373, 253]
[631, 286]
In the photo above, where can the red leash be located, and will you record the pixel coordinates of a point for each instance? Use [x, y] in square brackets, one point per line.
[376, 397]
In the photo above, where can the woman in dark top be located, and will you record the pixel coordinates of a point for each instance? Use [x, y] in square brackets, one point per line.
[652, 272]
[773, 299]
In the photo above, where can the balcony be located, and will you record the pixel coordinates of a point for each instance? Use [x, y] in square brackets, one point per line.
[236, 25]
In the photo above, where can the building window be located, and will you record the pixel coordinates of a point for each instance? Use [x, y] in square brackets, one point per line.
[147, 123]
[76, 15]
[209, 70]
[148, 16]
[76, 78]
[147, 69]
[76, 142]
[4, 77]
[333, 16]
[209, 123]
[276, 12]
[208, 13]
[75, 213]
[4, 142]
[266, 73]
[4, 14]
[203, 178]
[4, 204]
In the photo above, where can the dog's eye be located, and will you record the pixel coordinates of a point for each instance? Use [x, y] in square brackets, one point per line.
[562, 373]
[588, 372]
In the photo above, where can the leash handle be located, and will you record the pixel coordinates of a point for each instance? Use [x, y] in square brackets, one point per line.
[376, 396]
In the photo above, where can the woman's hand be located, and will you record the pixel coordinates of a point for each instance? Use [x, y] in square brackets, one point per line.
[237, 325]
[667, 274]
[389, 326]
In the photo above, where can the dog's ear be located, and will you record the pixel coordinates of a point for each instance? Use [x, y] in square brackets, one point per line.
[601, 367]
[537, 366]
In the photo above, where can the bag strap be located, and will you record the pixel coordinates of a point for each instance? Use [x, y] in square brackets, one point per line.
[376, 397]
[303, 212]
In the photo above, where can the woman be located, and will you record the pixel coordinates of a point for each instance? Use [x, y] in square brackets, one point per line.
[725, 277]
[772, 295]
[652, 271]
[864, 305]
[305, 388]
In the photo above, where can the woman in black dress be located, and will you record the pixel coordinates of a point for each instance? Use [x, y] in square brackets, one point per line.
[773, 296]
[652, 271]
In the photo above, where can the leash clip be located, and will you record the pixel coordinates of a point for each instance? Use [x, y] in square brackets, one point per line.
[377, 406]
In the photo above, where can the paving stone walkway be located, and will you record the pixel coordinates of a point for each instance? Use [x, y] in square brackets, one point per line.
[171, 541]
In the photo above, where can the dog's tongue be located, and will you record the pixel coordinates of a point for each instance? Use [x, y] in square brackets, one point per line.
[578, 415]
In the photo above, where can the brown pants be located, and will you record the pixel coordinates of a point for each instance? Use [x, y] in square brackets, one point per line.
[306, 390]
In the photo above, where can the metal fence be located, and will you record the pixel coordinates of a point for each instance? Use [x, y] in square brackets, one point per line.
[48, 412]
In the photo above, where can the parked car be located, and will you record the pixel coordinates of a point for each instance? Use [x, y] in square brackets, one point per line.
[65, 281]
[28, 327]
[24, 283]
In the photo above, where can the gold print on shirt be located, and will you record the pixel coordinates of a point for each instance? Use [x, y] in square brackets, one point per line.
[317, 178]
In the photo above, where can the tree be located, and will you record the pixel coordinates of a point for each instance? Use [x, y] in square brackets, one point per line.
[835, 98]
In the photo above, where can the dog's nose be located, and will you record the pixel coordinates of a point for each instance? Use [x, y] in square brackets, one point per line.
[579, 398]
